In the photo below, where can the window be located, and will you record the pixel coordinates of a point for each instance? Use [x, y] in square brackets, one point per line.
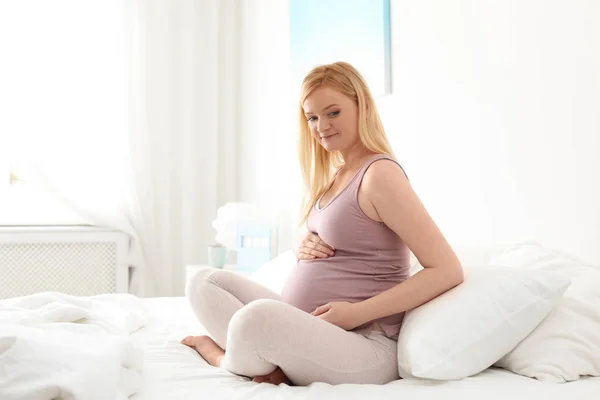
[24, 203]
[62, 84]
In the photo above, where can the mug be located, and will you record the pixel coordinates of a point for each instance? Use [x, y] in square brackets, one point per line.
[217, 256]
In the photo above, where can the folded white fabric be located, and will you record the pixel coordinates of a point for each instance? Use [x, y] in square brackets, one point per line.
[566, 345]
[57, 346]
[467, 329]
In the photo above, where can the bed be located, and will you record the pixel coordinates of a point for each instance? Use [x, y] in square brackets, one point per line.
[45, 350]
[174, 371]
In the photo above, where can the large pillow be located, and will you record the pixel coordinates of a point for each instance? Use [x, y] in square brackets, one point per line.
[469, 256]
[274, 273]
[467, 329]
[566, 345]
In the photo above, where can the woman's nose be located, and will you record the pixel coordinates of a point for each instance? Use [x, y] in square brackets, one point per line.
[323, 125]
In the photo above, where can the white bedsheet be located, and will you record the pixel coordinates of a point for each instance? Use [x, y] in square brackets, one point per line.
[57, 346]
[173, 371]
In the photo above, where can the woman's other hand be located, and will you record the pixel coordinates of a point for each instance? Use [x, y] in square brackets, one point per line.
[311, 246]
[341, 313]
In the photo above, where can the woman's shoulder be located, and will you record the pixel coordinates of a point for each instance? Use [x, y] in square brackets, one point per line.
[384, 166]
[381, 173]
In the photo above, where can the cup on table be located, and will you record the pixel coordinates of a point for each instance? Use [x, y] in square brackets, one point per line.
[217, 256]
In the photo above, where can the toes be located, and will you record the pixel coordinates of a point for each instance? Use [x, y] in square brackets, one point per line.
[188, 341]
[272, 379]
[263, 379]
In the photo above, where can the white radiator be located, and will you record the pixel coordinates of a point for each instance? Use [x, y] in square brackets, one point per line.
[76, 260]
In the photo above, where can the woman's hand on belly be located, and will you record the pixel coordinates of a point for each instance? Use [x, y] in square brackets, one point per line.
[341, 313]
[311, 247]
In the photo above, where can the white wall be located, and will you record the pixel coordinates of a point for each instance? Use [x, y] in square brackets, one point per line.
[495, 114]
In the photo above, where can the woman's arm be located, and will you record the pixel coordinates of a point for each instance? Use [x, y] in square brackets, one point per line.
[398, 206]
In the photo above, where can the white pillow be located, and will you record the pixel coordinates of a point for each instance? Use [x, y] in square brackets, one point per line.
[566, 345]
[467, 329]
[273, 274]
[469, 256]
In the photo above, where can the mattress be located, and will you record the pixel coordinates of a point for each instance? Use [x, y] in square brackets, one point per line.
[174, 371]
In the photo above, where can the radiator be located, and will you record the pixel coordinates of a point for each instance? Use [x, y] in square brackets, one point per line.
[78, 260]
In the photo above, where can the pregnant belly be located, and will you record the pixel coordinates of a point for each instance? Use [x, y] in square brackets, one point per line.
[311, 284]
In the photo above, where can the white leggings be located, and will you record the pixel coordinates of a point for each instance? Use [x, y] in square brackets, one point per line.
[260, 332]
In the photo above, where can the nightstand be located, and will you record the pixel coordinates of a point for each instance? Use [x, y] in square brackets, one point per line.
[191, 269]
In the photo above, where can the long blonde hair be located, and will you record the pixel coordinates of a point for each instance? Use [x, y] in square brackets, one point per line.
[317, 165]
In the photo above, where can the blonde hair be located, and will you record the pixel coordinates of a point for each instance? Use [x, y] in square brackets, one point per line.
[317, 165]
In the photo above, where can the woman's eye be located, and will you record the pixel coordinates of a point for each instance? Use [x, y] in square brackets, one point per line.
[331, 114]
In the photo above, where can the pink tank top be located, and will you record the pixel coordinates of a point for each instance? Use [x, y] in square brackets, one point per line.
[369, 258]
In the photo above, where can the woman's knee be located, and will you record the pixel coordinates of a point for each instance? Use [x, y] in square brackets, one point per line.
[255, 320]
[203, 277]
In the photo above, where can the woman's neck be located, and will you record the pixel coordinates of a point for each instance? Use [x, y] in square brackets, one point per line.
[354, 158]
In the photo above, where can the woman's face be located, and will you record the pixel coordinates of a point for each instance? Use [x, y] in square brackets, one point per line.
[332, 119]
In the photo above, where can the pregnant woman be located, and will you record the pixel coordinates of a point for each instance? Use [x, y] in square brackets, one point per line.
[341, 308]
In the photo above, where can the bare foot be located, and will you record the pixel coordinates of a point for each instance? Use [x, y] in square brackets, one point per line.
[207, 348]
[276, 377]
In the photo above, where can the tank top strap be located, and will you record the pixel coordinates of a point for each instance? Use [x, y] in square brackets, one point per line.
[356, 182]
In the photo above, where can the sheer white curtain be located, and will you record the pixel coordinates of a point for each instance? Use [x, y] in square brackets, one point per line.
[126, 112]
[183, 112]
